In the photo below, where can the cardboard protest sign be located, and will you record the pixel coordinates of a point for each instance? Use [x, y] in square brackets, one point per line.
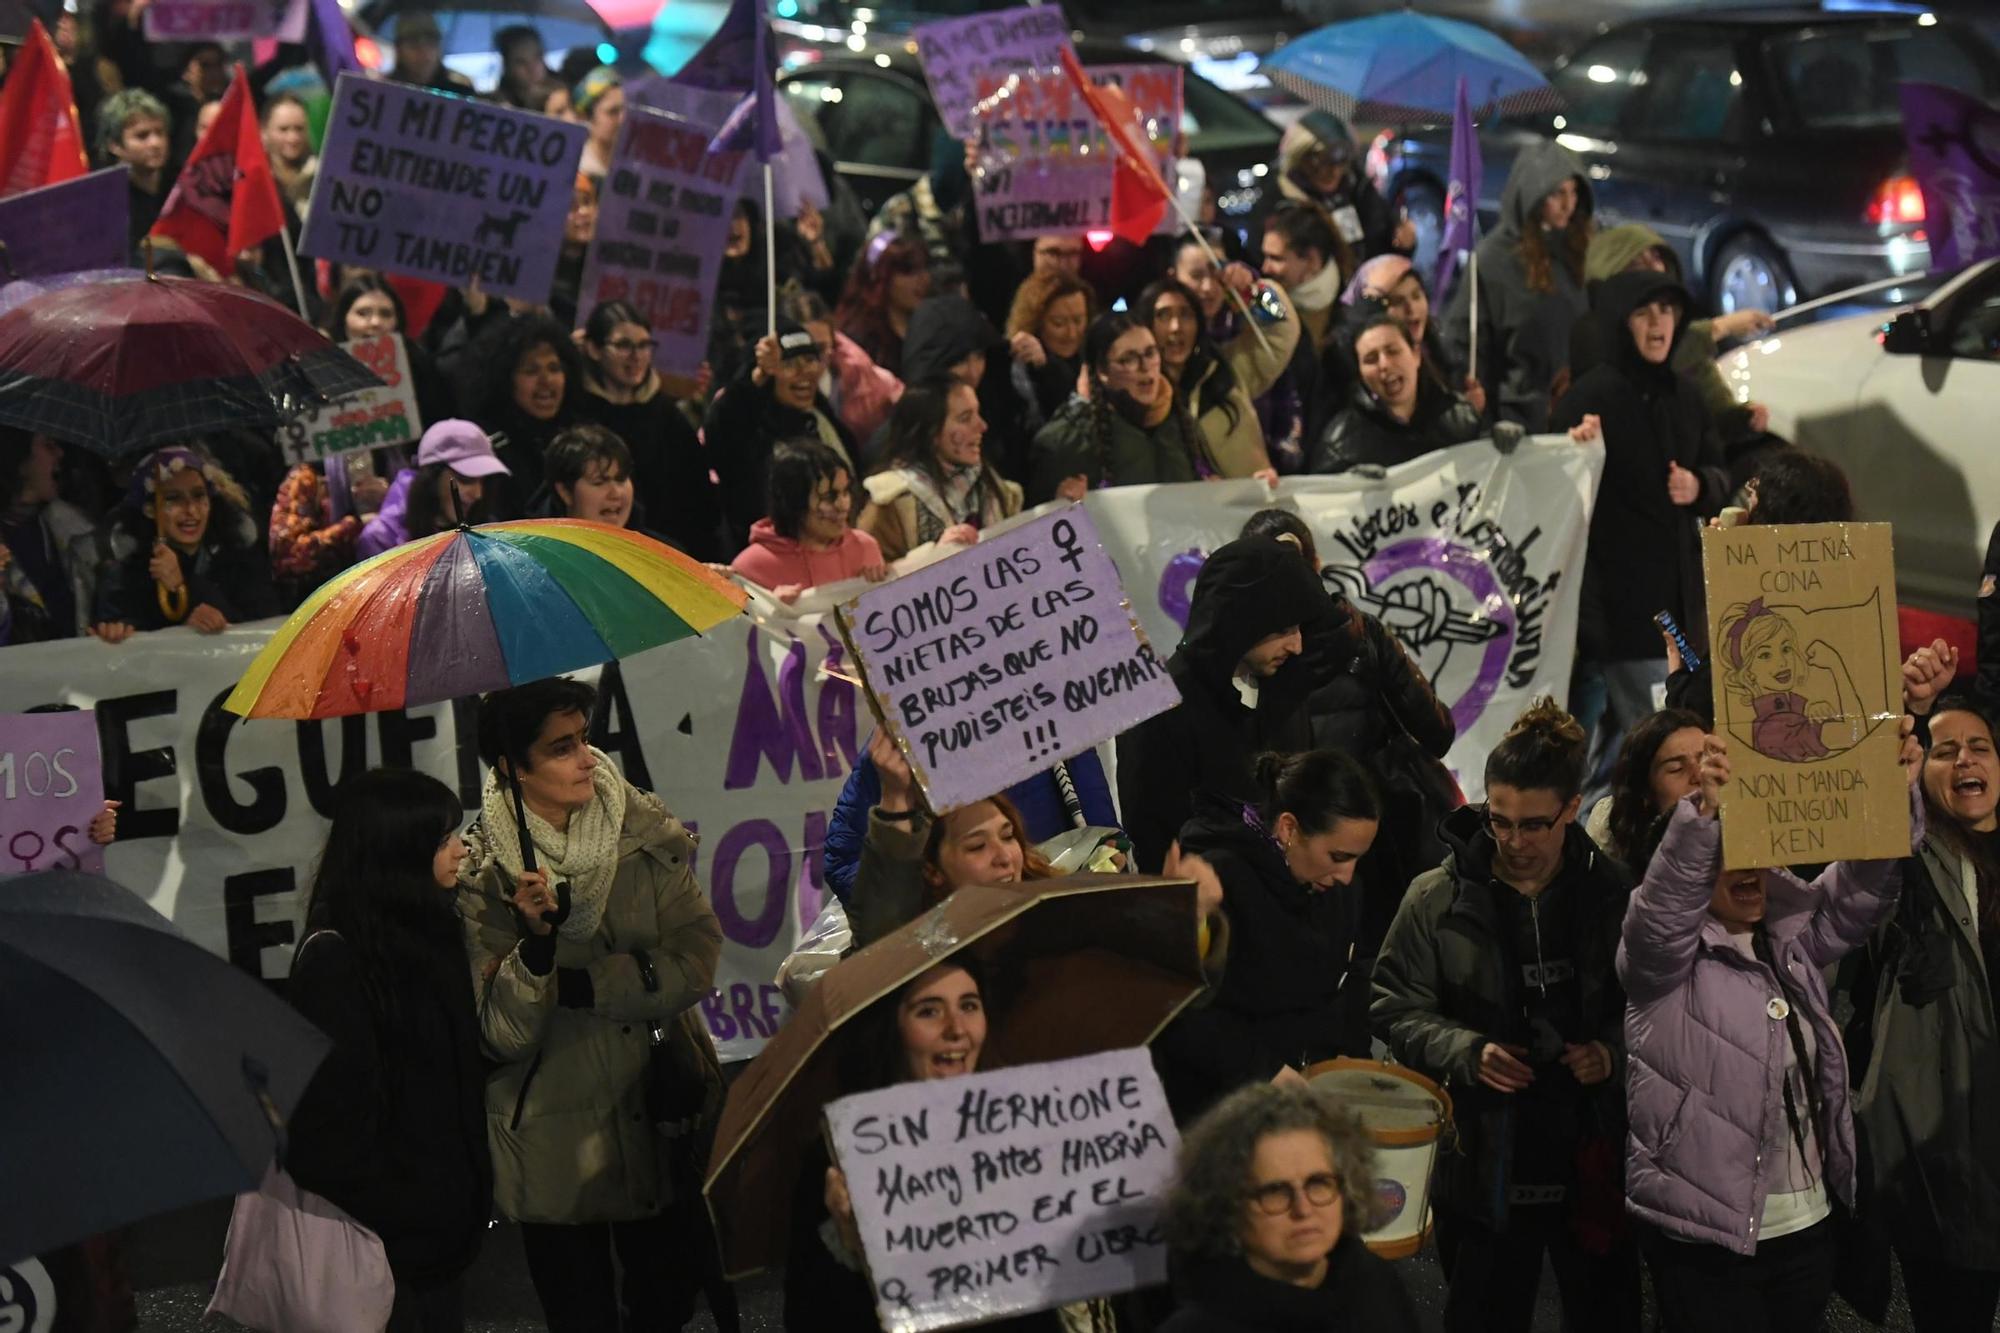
[1808, 690]
[368, 419]
[662, 225]
[41, 230]
[1054, 159]
[226, 20]
[967, 59]
[51, 787]
[994, 663]
[997, 1194]
[437, 186]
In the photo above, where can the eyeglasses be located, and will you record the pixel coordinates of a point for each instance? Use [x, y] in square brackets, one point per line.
[1500, 826]
[1137, 360]
[626, 346]
[1281, 1196]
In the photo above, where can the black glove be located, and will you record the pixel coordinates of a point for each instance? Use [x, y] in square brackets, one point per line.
[1925, 971]
[538, 952]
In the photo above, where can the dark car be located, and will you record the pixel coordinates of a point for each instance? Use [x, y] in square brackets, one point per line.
[878, 119]
[1765, 146]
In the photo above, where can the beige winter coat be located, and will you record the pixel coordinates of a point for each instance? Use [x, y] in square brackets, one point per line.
[1238, 449]
[566, 1116]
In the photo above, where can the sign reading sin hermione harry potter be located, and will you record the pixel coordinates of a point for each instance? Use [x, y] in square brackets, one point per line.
[992, 664]
[433, 185]
[1808, 691]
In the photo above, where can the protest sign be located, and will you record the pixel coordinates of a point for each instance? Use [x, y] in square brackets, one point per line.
[43, 233]
[1808, 690]
[50, 790]
[443, 187]
[796, 179]
[365, 419]
[998, 1194]
[662, 225]
[966, 59]
[226, 20]
[1047, 160]
[992, 664]
[1954, 146]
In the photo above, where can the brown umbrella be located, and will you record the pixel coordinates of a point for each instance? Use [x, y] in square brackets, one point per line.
[1080, 964]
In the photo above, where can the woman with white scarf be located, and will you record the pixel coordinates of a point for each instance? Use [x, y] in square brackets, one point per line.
[937, 485]
[577, 1155]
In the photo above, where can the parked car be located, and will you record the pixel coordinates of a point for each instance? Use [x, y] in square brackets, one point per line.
[876, 113]
[1903, 401]
[1766, 146]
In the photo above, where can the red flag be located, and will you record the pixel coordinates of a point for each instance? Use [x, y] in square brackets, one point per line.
[1138, 195]
[226, 200]
[40, 141]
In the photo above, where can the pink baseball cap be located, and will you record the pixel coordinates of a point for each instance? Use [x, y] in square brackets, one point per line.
[462, 447]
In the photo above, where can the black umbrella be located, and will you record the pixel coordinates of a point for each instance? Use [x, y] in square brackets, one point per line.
[141, 1072]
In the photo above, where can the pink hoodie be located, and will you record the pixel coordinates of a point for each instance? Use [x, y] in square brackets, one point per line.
[772, 561]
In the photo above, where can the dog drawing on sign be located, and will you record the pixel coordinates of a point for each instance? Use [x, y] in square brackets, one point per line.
[499, 231]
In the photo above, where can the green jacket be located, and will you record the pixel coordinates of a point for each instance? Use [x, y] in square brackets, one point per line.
[566, 1112]
[1086, 439]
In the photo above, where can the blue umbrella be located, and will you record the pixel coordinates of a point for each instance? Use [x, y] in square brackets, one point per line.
[1406, 66]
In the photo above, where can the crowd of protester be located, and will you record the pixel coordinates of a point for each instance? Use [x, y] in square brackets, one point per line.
[1642, 1046]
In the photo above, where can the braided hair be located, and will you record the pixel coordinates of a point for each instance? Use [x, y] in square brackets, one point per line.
[1104, 332]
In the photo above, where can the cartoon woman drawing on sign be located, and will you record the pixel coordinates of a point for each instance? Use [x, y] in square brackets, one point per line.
[1792, 716]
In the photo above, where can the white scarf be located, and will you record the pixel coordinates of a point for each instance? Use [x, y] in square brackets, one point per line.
[1319, 291]
[585, 855]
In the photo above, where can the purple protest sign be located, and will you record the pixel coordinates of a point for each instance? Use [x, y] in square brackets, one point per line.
[964, 59]
[39, 227]
[51, 787]
[1954, 144]
[795, 173]
[226, 20]
[662, 225]
[437, 186]
[994, 663]
[1047, 164]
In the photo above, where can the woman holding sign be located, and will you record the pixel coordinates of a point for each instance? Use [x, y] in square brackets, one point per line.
[1742, 1134]
[1276, 1187]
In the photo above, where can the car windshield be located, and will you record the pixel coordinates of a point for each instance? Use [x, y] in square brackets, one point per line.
[1845, 76]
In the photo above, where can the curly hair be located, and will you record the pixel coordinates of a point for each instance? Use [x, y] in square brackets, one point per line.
[1205, 1207]
[1538, 265]
[1034, 296]
[500, 347]
[1632, 812]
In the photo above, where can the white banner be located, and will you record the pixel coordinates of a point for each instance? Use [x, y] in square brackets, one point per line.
[1472, 558]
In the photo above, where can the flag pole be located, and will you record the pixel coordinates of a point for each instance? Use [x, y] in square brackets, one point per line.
[1242, 306]
[292, 263]
[1472, 341]
[770, 254]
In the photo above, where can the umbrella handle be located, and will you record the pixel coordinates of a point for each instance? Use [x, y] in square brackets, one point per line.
[521, 821]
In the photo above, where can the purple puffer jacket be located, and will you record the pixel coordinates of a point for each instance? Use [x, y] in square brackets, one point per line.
[1705, 1059]
[385, 528]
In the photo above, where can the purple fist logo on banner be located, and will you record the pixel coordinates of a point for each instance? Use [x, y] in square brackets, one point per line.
[1954, 144]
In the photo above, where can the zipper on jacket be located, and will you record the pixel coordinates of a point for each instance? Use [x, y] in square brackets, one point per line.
[1541, 968]
[521, 1102]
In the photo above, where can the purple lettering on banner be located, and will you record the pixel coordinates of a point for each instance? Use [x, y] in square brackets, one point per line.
[1049, 162]
[225, 20]
[40, 231]
[758, 931]
[992, 664]
[772, 728]
[436, 186]
[51, 787]
[838, 725]
[662, 224]
[959, 55]
[812, 884]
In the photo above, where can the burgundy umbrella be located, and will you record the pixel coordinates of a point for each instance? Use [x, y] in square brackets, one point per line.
[129, 363]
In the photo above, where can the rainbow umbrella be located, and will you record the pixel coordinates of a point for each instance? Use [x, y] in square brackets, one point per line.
[480, 609]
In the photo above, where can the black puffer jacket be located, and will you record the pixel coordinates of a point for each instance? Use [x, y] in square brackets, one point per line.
[1249, 589]
[1361, 1293]
[1290, 992]
[745, 423]
[1367, 432]
[1645, 550]
[1453, 975]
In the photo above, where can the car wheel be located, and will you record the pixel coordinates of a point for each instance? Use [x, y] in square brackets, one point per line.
[1750, 274]
[1423, 203]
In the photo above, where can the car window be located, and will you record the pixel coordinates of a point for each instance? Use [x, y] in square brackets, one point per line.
[1598, 82]
[871, 121]
[1216, 121]
[1693, 90]
[1845, 77]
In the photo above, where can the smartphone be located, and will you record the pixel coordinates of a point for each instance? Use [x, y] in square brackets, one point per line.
[1690, 659]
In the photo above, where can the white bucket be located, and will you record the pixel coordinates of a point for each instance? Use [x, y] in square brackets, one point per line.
[1403, 1114]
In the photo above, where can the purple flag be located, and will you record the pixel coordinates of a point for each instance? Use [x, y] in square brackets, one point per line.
[1954, 145]
[1461, 199]
[728, 61]
[334, 41]
[754, 122]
